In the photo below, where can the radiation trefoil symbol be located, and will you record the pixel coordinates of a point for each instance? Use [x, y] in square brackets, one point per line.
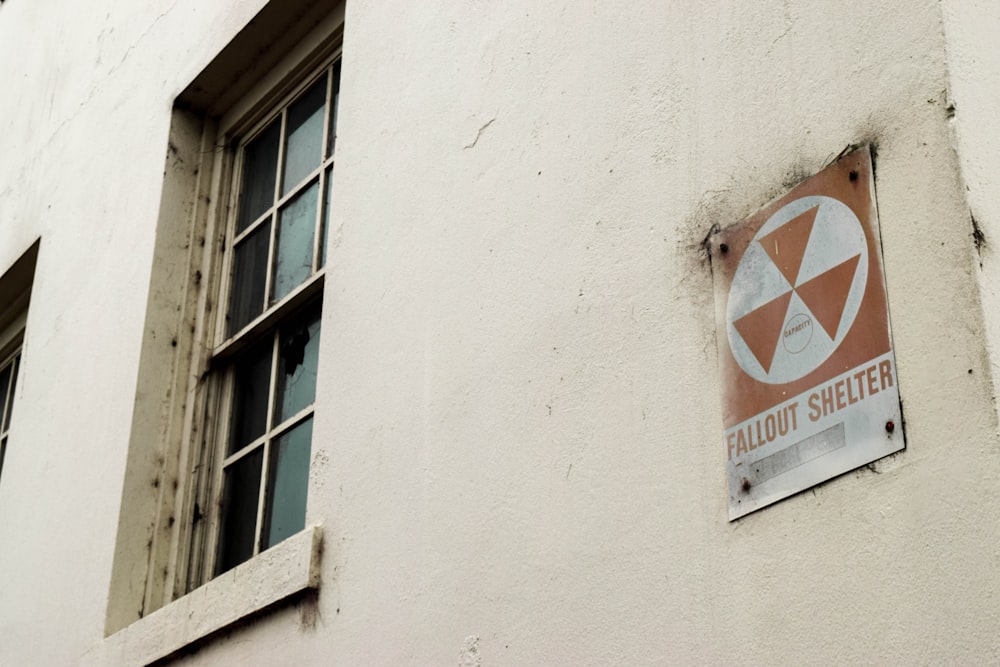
[797, 289]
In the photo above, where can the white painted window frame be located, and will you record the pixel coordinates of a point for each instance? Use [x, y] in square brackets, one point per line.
[238, 132]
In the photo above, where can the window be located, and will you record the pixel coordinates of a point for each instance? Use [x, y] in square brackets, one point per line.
[8, 382]
[268, 353]
[15, 294]
[216, 481]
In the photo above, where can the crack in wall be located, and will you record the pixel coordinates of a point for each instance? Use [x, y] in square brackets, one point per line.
[479, 133]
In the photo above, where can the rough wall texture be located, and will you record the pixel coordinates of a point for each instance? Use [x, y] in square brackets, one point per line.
[517, 452]
[974, 87]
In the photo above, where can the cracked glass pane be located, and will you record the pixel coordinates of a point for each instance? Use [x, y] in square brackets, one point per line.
[298, 357]
[293, 256]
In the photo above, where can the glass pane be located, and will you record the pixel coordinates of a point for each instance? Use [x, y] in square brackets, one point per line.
[304, 143]
[250, 395]
[246, 296]
[260, 168]
[328, 196]
[331, 140]
[298, 358]
[4, 387]
[293, 258]
[16, 366]
[239, 511]
[288, 484]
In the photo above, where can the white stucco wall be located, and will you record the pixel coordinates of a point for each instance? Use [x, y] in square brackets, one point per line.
[974, 89]
[518, 433]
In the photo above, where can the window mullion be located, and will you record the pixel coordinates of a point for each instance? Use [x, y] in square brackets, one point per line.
[266, 464]
[262, 496]
[251, 228]
[4, 426]
[293, 421]
[246, 450]
[272, 250]
[280, 170]
[327, 110]
[318, 224]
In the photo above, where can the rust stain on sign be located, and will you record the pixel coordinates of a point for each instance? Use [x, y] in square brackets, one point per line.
[804, 342]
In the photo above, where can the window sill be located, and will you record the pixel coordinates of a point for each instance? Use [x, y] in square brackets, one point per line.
[283, 571]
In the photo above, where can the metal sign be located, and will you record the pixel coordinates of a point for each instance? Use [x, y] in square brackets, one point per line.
[808, 374]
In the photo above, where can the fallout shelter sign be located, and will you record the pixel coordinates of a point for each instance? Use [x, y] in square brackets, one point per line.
[809, 378]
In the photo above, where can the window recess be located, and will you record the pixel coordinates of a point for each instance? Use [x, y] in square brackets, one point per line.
[218, 467]
[266, 360]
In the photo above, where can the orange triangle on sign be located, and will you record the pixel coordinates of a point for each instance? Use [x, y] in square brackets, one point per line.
[786, 245]
[761, 329]
[826, 294]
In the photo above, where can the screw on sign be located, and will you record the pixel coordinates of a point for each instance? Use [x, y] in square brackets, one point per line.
[805, 350]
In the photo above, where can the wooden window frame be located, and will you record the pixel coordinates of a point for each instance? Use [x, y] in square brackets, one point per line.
[235, 133]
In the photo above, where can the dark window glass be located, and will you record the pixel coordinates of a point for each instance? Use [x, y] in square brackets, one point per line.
[260, 168]
[249, 275]
[239, 511]
[289, 476]
[250, 395]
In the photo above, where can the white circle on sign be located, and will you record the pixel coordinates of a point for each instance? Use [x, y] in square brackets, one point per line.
[797, 289]
[797, 333]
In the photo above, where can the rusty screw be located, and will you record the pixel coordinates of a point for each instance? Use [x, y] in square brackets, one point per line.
[853, 175]
[746, 485]
[890, 426]
[723, 248]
